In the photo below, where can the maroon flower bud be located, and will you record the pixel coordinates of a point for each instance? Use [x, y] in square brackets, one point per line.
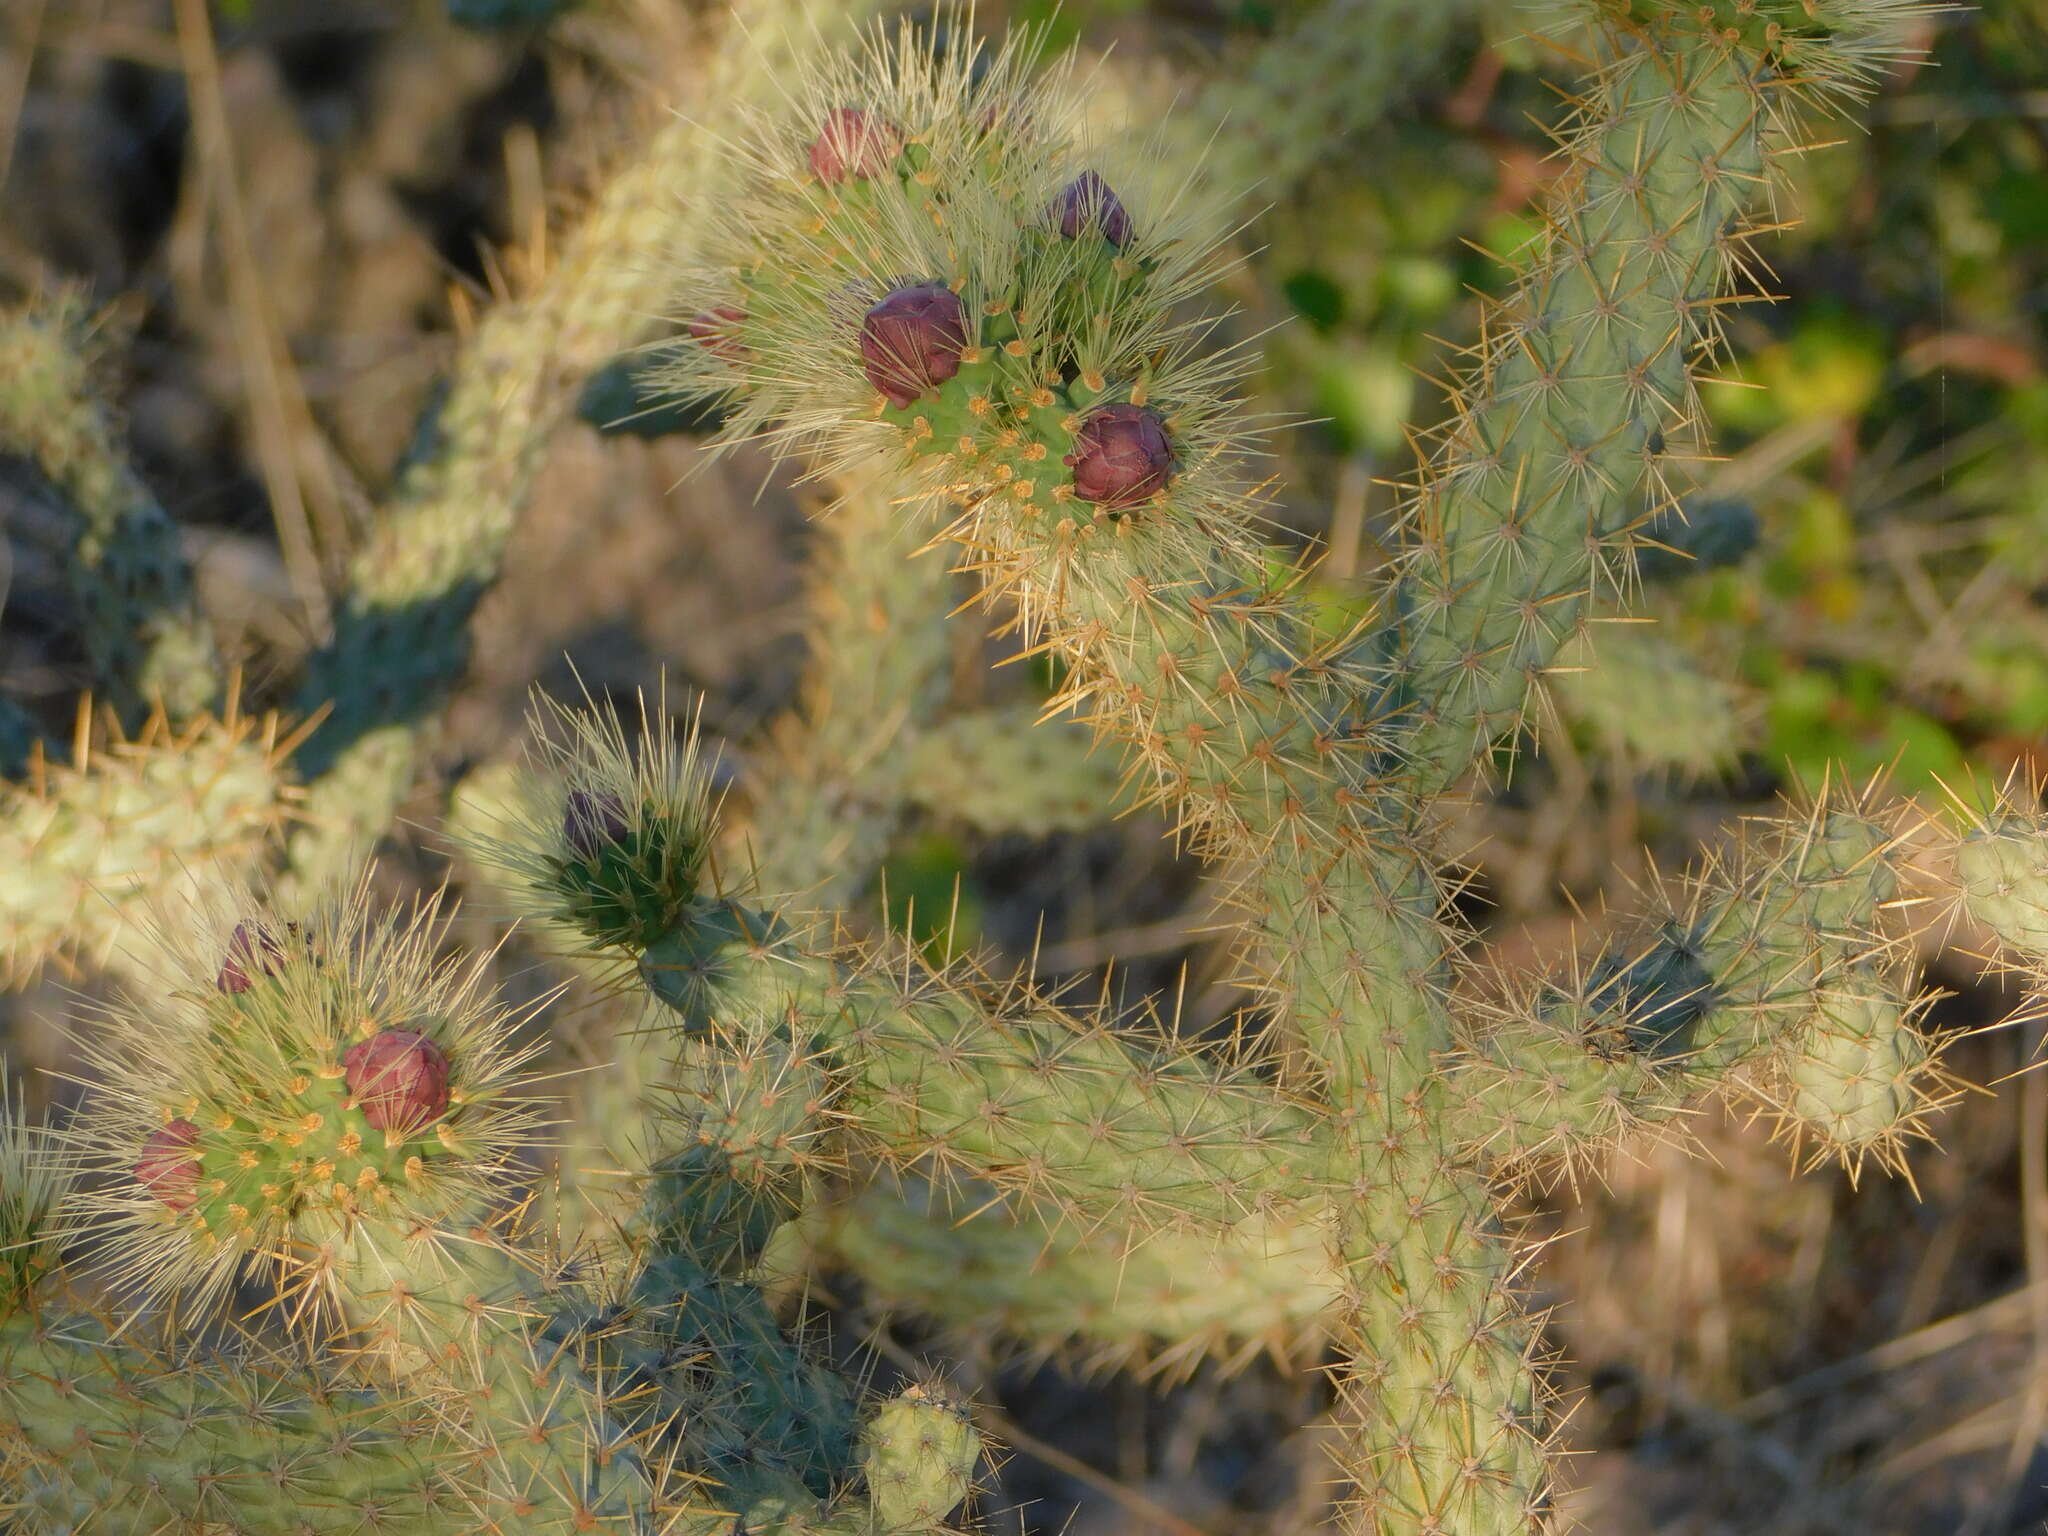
[853, 145]
[167, 1168]
[398, 1078]
[251, 948]
[592, 822]
[911, 342]
[1121, 456]
[718, 330]
[1087, 203]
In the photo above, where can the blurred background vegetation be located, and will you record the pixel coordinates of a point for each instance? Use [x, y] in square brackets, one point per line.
[288, 212]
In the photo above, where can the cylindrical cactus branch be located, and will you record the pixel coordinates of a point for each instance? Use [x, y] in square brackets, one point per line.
[1182, 1298]
[832, 789]
[1772, 970]
[98, 852]
[112, 1435]
[148, 642]
[1070, 1119]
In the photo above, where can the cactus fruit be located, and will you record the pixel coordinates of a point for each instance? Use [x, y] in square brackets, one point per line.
[853, 144]
[911, 342]
[1086, 205]
[1121, 457]
[167, 1167]
[398, 1079]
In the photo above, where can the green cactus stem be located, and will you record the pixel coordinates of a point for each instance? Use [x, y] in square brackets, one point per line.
[150, 646]
[1770, 972]
[99, 852]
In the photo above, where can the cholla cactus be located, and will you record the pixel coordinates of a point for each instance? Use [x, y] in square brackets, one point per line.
[941, 316]
[929, 276]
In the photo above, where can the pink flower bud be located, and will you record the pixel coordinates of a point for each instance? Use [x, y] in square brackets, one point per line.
[911, 342]
[1121, 456]
[718, 330]
[853, 145]
[592, 822]
[398, 1078]
[1087, 203]
[167, 1168]
[251, 947]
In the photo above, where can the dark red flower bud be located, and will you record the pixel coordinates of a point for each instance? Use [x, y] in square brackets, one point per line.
[911, 342]
[1087, 203]
[167, 1168]
[1121, 456]
[592, 822]
[718, 330]
[398, 1078]
[853, 145]
[251, 949]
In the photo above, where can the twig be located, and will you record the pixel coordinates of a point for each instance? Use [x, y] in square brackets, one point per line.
[1006, 1429]
[269, 386]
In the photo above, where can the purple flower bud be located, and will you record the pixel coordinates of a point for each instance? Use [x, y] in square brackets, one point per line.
[911, 342]
[853, 145]
[1121, 456]
[398, 1078]
[251, 947]
[718, 330]
[592, 822]
[1087, 203]
[167, 1168]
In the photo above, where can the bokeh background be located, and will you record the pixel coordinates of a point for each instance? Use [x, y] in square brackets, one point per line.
[287, 214]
